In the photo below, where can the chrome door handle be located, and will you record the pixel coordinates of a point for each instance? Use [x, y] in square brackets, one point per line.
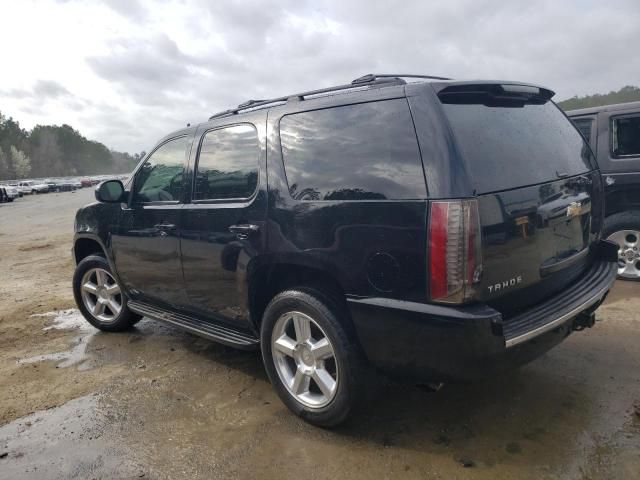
[164, 228]
[243, 230]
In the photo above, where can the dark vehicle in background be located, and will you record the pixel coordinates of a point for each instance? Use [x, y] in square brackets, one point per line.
[67, 185]
[86, 182]
[61, 185]
[613, 131]
[50, 184]
[438, 230]
[4, 197]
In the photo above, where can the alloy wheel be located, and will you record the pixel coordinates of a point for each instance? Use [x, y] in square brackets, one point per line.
[628, 253]
[304, 359]
[101, 295]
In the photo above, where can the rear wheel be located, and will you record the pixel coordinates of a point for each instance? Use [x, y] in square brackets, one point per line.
[311, 360]
[624, 229]
[99, 296]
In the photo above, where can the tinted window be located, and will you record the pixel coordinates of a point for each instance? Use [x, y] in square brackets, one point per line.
[626, 136]
[584, 125]
[160, 177]
[356, 152]
[509, 147]
[228, 163]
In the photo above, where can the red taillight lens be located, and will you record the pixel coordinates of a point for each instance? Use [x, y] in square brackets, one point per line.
[455, 259]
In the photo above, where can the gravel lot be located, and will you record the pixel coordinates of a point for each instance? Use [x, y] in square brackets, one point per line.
[159, 403]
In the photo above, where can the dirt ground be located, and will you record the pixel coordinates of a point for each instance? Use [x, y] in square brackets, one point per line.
[158, 403]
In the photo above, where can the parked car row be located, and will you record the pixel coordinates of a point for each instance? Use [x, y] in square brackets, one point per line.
[20, 188]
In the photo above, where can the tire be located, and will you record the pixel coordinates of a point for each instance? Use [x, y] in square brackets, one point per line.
[323, 407]
[98, 300]
[624, 229]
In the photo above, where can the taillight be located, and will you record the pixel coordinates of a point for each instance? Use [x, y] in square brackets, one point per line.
[455, 258]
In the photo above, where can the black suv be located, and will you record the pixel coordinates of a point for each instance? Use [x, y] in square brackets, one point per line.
[438, 230]
[613, 131]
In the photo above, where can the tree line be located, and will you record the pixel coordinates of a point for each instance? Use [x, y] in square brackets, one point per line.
[625, 94]
[55, 151]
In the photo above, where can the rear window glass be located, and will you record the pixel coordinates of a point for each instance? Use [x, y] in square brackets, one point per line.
[626, 136]
[357, 152]
[510, 147]
[584, 125]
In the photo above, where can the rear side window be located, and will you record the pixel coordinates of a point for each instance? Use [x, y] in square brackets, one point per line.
[228, 163]
[160, 177]
[508, 147]
[625, 137]
[357, 152]
[584, 125]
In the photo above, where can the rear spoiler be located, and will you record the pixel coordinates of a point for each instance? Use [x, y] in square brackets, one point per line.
[494, 94]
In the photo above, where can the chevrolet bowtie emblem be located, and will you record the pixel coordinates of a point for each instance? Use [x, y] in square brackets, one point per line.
[574, 209]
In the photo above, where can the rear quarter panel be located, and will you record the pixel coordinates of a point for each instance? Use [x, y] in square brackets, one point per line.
[371, 247]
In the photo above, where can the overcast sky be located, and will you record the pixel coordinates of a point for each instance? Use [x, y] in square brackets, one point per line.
[126, 72]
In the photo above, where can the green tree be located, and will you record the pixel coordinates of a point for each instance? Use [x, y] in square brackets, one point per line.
[4, 164]
[21, 163]
[56, 150]
[46, 154]
[624, 95]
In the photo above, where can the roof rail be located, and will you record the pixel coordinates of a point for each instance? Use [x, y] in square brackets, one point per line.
[385, 80]
[371, 77]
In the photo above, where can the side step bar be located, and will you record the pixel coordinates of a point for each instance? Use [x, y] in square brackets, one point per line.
[196, 326]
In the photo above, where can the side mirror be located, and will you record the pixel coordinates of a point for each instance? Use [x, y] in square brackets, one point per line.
[111, 191]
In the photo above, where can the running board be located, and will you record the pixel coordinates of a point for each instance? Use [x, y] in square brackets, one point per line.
[196, 326]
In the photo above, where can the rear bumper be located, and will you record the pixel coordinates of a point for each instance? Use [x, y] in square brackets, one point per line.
[427, 342]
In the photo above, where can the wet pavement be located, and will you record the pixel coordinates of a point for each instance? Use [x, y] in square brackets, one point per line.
[159, 403]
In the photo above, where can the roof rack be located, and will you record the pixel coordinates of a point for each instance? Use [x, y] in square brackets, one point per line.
[375, 76]
[370, 80]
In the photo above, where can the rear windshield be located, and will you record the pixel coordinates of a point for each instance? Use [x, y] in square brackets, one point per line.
[508, 147]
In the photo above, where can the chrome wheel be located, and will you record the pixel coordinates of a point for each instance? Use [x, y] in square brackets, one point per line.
[304, 359]
[628, 252]
[101, 295]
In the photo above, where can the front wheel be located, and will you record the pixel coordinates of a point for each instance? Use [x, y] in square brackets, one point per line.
[311, 360]
[624, 229]
[99, 297]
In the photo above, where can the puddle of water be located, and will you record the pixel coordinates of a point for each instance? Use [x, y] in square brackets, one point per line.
[68, 441]
[70, 319]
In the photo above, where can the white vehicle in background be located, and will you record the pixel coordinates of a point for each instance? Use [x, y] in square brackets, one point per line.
[34, 187]
[12, 192]
[21, 189]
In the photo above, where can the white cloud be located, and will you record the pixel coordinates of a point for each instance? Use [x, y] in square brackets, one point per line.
[127, 72]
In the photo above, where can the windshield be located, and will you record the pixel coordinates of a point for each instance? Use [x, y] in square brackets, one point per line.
[508, 147]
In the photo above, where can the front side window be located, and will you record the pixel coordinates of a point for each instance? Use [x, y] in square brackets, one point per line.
[367, 151]
[228, 164]
[160, 177]
[584, 125]
[625, 136]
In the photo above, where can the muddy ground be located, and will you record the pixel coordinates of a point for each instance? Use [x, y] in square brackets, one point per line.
[158, 403]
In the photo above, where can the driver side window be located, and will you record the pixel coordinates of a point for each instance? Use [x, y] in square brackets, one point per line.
[160, 177]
